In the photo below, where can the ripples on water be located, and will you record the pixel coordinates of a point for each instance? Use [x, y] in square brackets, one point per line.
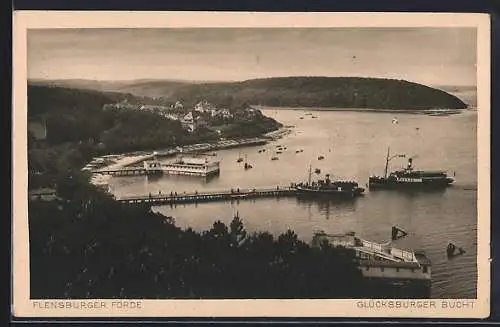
[354, 145]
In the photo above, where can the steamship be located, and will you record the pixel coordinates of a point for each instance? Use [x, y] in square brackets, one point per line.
[337, 188]
[409, 177]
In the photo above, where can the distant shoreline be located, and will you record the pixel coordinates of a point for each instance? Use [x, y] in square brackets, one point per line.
[399, 111]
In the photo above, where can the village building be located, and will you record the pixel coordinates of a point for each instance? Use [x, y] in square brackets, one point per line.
[252, 113]
[171, 116]
[222, 114]
[204, 107]
[44, 194]
[191, 122]
[153, 107]
[200, 122]
[187, 122]
[178, 105]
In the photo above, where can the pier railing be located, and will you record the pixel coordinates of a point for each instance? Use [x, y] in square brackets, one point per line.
[194, 197]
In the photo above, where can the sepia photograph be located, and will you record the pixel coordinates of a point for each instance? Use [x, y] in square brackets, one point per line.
[269, 162]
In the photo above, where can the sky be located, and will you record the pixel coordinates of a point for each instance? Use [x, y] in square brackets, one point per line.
[431, 56]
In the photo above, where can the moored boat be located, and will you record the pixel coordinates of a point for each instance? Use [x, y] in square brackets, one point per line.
[382, 261]
[184, 165]
[247, 165]
[408, 177]
[327, 187]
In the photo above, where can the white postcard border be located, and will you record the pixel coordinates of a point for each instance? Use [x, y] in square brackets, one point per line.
[433, 308]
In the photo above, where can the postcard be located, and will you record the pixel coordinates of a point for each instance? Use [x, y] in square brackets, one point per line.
[244, 164]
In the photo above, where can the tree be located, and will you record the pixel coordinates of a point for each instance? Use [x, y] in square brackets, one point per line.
[218, 231]
[237, 231]
[288, 242]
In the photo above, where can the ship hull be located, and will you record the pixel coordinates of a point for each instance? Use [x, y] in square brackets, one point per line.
[382, 183]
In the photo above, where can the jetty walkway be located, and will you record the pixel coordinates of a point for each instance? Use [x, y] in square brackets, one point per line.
[125, 171]
[198, 197]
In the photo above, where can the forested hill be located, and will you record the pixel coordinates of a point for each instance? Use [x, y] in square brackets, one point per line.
[343, 92]
[340, 92]
[77, 115]
[48, 98]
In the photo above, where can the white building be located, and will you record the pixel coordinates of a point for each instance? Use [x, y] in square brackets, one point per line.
[222, 113]
[188, 122]
[204, 106]
[152, 107]
[178, 105]
[171, 116]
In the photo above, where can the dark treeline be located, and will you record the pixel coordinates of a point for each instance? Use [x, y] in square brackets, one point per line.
[78, 128]
[74, 115]
[343, 92]
[340, 92]
[89, 246]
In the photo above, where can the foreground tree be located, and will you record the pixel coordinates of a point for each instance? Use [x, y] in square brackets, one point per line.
[89, 246]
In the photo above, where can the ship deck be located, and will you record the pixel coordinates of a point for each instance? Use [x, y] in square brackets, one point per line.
[397, 264]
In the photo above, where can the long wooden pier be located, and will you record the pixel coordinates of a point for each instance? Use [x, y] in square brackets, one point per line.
[126, 171]
[231, 195]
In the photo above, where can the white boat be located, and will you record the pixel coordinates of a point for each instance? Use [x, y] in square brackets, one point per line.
[185, 165]
[381, 261]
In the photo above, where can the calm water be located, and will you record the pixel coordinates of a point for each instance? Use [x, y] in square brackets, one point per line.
[354, 145]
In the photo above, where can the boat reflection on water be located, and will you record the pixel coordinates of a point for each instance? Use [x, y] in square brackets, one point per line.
[330, 207]
[186, 178]
[410, 192]
[154, 177]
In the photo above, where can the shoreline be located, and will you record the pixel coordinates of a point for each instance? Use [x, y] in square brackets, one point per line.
[117, 161]
[398, 111]
[121, 160]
